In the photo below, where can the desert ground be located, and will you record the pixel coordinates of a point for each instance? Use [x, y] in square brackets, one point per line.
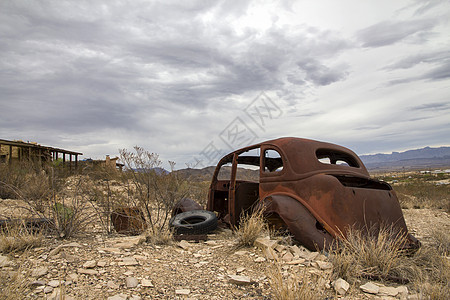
[95, 265]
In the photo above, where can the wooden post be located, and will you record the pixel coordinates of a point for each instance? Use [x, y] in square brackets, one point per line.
[10, 154]
[70, 163]
[76, 161]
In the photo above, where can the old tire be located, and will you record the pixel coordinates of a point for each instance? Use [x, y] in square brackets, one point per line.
[194, 222]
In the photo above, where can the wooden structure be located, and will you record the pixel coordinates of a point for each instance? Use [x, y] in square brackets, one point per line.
[11, 151]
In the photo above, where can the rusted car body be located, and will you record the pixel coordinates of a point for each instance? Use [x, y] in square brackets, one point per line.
[315, 190]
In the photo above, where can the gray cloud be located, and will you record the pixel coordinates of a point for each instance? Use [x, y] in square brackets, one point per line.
[172, 75]
[390, 32]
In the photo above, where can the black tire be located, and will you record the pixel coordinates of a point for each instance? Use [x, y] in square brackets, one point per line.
[194, 222]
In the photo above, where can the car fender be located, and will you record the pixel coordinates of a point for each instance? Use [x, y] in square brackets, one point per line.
[299, 220]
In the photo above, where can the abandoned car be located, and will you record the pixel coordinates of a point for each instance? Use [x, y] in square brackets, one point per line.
[315, 190]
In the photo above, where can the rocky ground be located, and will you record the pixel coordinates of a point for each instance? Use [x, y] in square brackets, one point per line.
[95, 266]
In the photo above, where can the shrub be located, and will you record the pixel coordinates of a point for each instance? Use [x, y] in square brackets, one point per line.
[252, 225]
[16, 238]
[292, 286]
[379, 258]
[152, 188]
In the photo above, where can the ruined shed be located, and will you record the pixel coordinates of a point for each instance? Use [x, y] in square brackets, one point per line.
[12, 151]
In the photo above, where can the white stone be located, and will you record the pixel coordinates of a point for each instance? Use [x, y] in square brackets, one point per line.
[112, 285]
[128, 261]
[90, 264]
[323, 265]
[184, 245]
[260, 259]
[370, 288]
[118, 297]
[41, 271]
[146, 283]
[239, 279]
[55, 283]
[388, 291]
[87, 271]
[182, 292]
[341, 286]
[131, 282]
[296, 261]
[4, 261]
[264, 243]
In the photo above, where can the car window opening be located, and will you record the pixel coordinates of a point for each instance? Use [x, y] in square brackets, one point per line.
[327, 156]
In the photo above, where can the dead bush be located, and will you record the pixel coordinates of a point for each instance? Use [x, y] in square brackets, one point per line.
[362, 256]
[18, 238]
[14, 285]
[154, 190]
[293, 286]
[374, 255]
[252, 225]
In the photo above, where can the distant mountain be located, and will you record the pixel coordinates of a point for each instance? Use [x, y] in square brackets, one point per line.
[411, 159]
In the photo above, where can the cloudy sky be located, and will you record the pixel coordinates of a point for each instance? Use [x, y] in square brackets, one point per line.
[192, 80]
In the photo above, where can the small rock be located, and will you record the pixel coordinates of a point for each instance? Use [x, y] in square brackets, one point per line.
[311, 256]
[41, 271]
[55, 283]
[37, 283]
[239, 279]
[296, 261]
[341, 286]
[370, 288]
[48, 289]
[90, 264]
[112, 285]
[87, 271]
[323, 265]
[270, 254]
[72, 276]
[184, 245]
[128, 261]
[135, 297]
[260, 259]
[402, 291]
[146, 283]
[240, 252]
[101, 263]
[110, 249]
[240, 270]
[131, 282]
[388, 291]
[4, 261]
[280, 248]
[118, 297]
[288, 257]
[295, 250]
[182, 292]
[264, 243]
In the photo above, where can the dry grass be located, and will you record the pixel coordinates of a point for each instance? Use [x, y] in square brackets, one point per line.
[441, 240]
[14, 285]
[421, 194]
[378, 258]
[368, 255]
[252, 226]
[18, 238]
[294, 286]
[160, 237]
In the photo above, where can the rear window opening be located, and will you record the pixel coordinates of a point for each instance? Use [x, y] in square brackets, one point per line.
[327, 156]
[358, 182]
